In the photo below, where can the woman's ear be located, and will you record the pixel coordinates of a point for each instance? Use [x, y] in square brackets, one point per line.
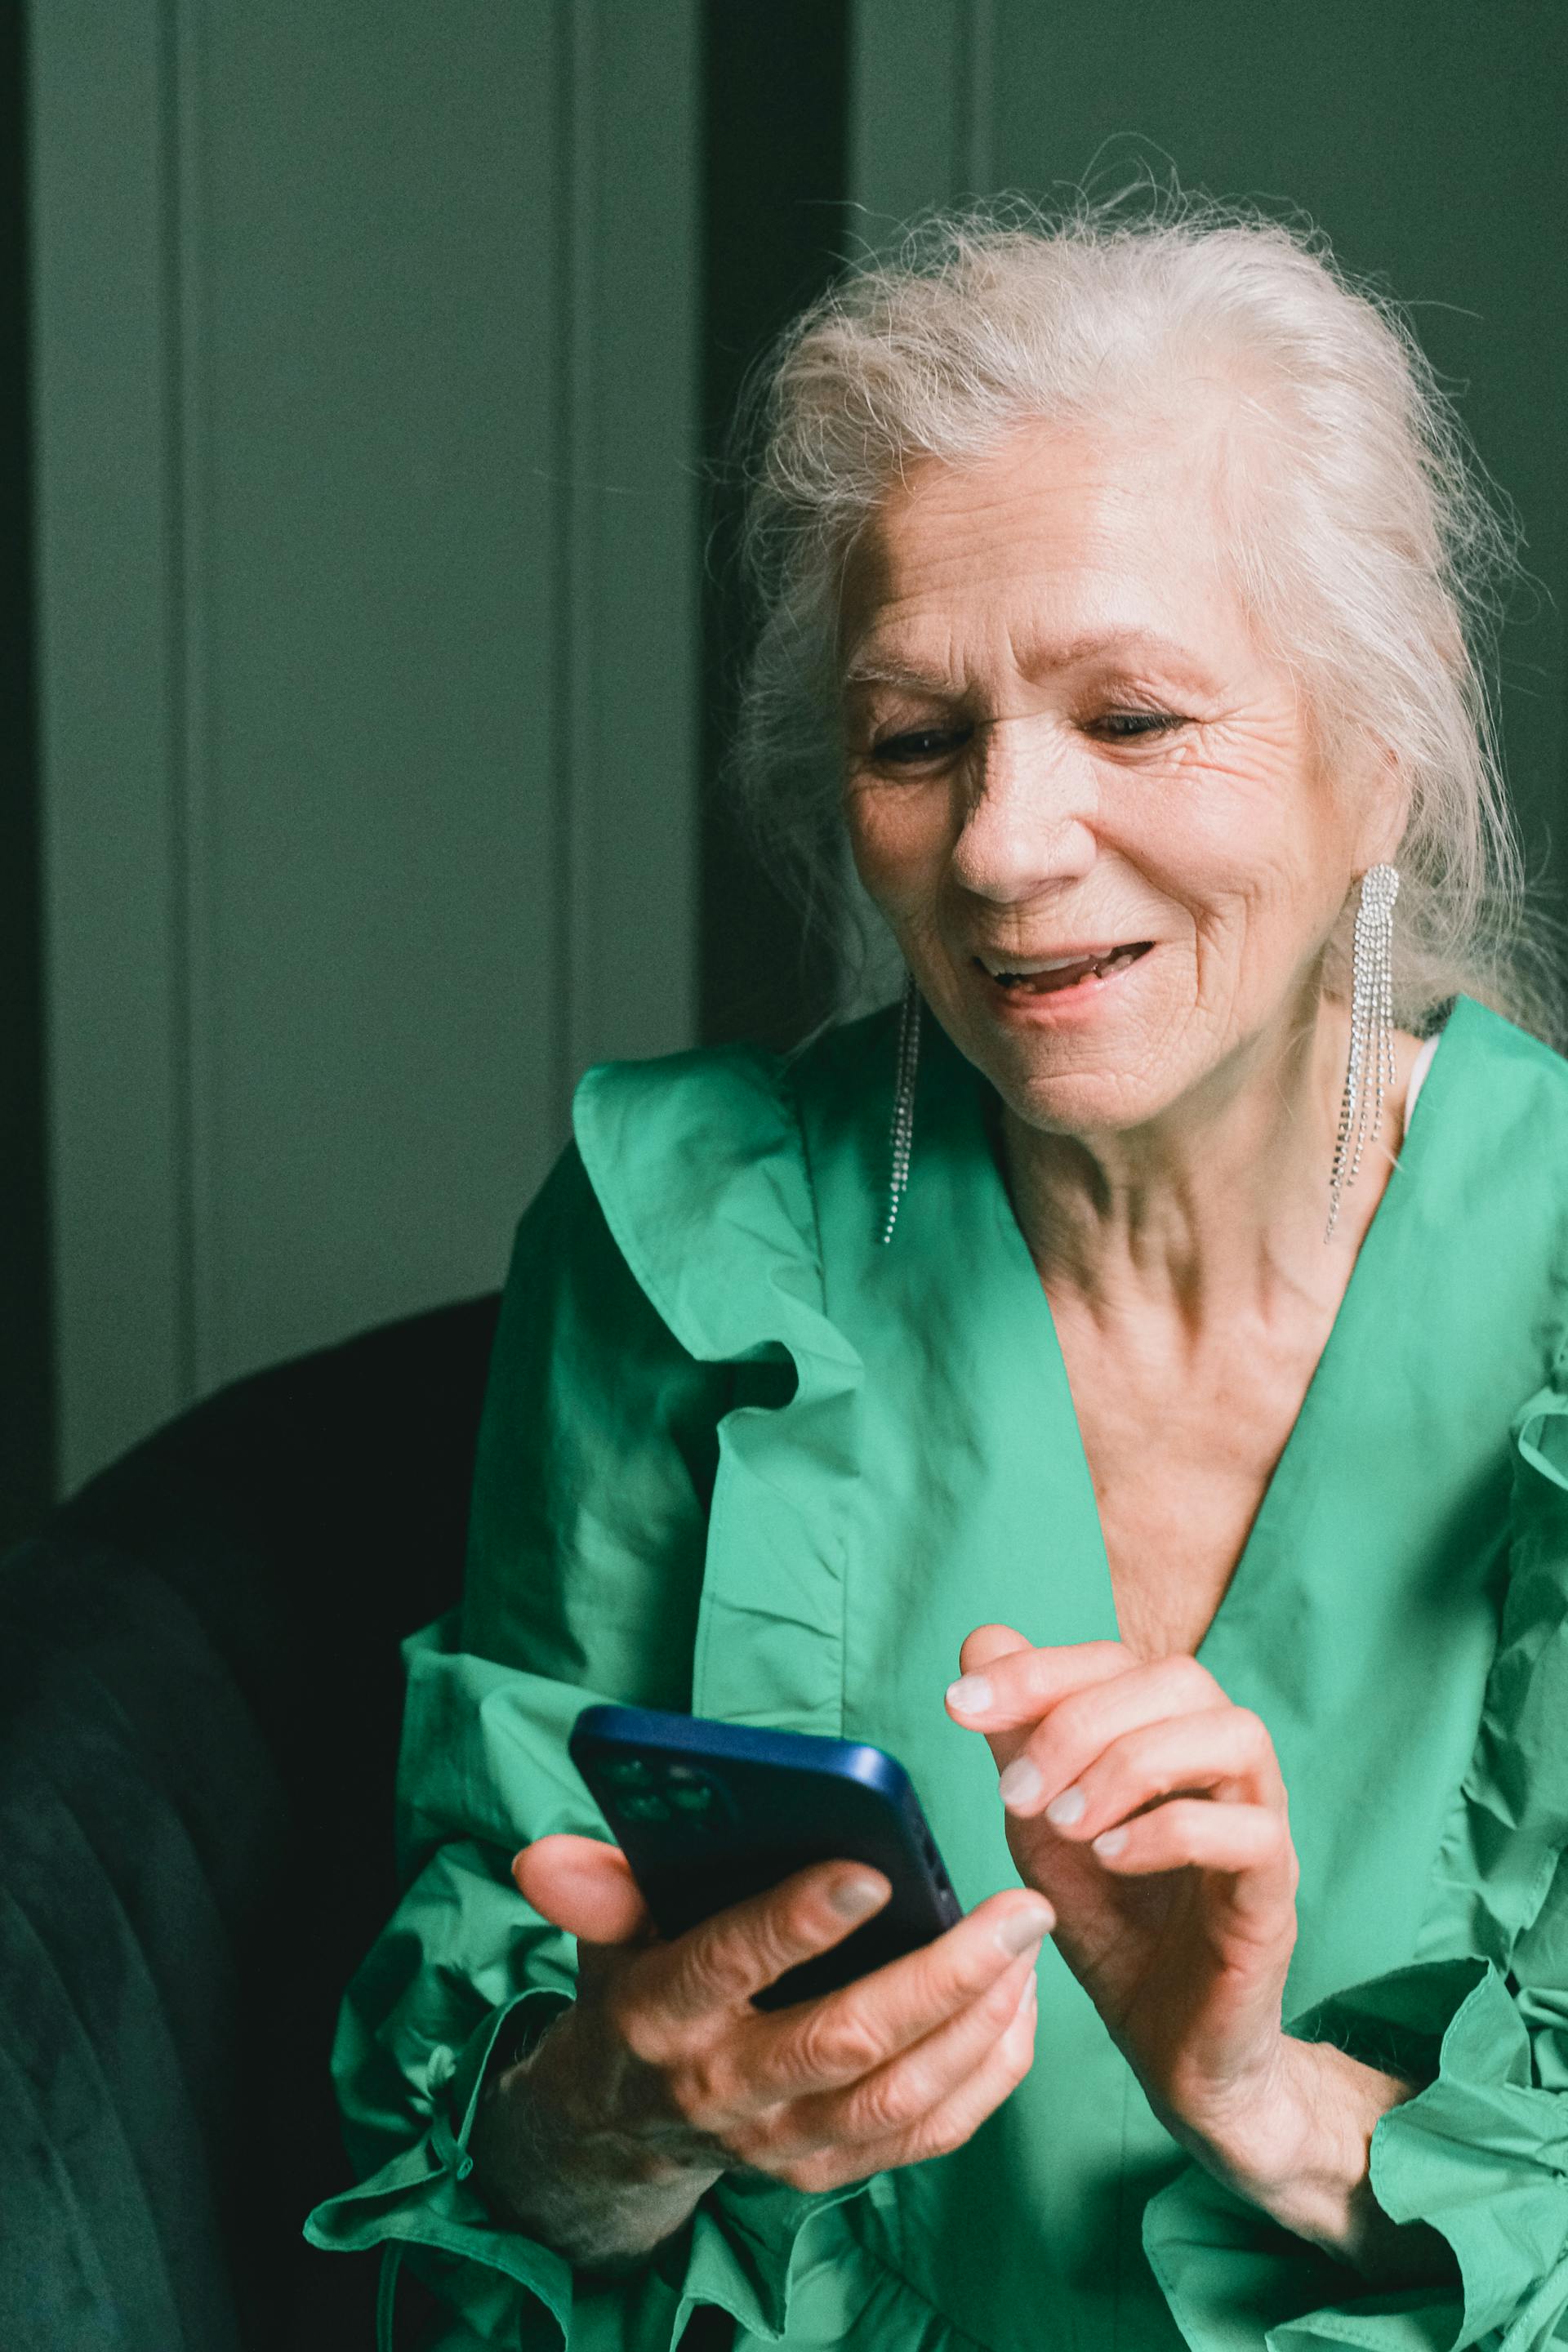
[1387, 808]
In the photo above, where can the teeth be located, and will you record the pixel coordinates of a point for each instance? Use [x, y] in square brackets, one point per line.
[1049, 963]
[1014, 975]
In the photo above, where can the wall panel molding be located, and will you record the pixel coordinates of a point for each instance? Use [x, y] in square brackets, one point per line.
[27, 1384]
[922, 109]
[630, 442]
[107, 633]
[366, 384]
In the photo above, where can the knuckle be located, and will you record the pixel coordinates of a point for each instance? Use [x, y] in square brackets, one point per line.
[1071, 1721]
[716, 1970]
[1191, 1680]
[968, 1972]
[1001, 2000]
[702, 2091]
[639, 2029]
[753, 2145]
[938, 2134]
[835, 2042]
[1164, 1834]
[1251, 1731]
[888, 2103]
[792, 1925]
[789, 1929]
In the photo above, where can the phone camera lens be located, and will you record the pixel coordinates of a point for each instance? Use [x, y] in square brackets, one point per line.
[628, 1772]
[643, 1805]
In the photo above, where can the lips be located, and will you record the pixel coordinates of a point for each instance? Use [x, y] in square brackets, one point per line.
[1047, 976]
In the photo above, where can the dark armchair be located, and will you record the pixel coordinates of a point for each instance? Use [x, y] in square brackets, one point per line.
[200, 1692]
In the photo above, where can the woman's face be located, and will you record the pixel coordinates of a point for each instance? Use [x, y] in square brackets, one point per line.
[1091, 810]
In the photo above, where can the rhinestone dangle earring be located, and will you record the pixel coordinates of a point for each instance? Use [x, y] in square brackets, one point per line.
[903, 1125]
[1371, 1070]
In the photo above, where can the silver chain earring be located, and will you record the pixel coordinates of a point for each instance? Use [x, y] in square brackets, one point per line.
[903, 1127]
[1371, 1069]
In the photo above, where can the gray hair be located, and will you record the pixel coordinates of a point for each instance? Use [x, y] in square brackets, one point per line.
[1369, 551]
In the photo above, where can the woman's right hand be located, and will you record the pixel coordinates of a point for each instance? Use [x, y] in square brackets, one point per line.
[662, 2076]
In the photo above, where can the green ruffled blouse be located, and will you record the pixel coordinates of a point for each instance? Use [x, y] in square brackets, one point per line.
[739, 1457]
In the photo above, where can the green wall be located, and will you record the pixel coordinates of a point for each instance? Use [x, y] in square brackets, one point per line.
[366, 390]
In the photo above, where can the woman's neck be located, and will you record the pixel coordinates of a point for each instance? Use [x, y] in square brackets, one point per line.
[1216, 1208]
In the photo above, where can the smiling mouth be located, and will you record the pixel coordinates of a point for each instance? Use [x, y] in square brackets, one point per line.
[1059, 973]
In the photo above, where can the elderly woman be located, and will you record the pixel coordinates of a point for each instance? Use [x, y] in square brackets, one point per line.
[1173, 1422]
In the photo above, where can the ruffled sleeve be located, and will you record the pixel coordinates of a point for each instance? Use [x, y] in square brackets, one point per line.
[1479, 2019]
[596, 1463]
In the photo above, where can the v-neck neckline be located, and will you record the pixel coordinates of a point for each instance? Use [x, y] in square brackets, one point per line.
[1380, 1244]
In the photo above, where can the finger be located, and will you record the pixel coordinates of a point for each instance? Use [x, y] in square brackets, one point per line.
[894, 2096]
[716, 1967]
[1050, 1757]
[1250, 1843]
[836, 2039]
[986, 1644]
[1225, 1751]
[1001, 1688]
[583, 1886]
[943, 2128]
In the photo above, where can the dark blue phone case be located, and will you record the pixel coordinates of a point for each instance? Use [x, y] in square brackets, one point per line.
[708, 1813]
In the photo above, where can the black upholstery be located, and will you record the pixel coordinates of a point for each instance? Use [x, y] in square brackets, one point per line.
[200, 1692]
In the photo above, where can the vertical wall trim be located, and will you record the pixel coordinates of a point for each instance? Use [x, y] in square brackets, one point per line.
[107, 653]
[922, 112]
[146, 470]
[174, 112]
[563, 335]
[976, 79]
[910, 118]
[26, 1254]
[630, 563]
[580, 354]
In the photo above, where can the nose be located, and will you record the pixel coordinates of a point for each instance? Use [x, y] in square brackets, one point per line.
[1028, 822]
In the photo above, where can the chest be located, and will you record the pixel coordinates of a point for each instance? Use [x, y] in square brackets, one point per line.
[1181, 1452]
[1003, 1461]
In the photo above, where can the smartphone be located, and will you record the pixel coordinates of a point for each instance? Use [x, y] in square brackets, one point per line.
[708, 1813]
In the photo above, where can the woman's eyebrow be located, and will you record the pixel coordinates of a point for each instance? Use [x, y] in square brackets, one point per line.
[868, 667]
[877, 670]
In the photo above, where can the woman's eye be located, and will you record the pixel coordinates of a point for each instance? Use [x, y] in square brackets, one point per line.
[919, 746]
[1132, 725]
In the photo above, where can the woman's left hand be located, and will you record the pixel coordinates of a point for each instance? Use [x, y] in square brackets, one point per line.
[1151, 1813]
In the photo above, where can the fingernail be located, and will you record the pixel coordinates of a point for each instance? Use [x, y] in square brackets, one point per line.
[970, 1694]
[1063, 1810]
[1029, 1999]
[1020, 1784]
[1110, 1842]
[854, 1899]
[1021, 1931]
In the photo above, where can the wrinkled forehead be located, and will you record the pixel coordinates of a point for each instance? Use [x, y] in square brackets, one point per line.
[1051, 528]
